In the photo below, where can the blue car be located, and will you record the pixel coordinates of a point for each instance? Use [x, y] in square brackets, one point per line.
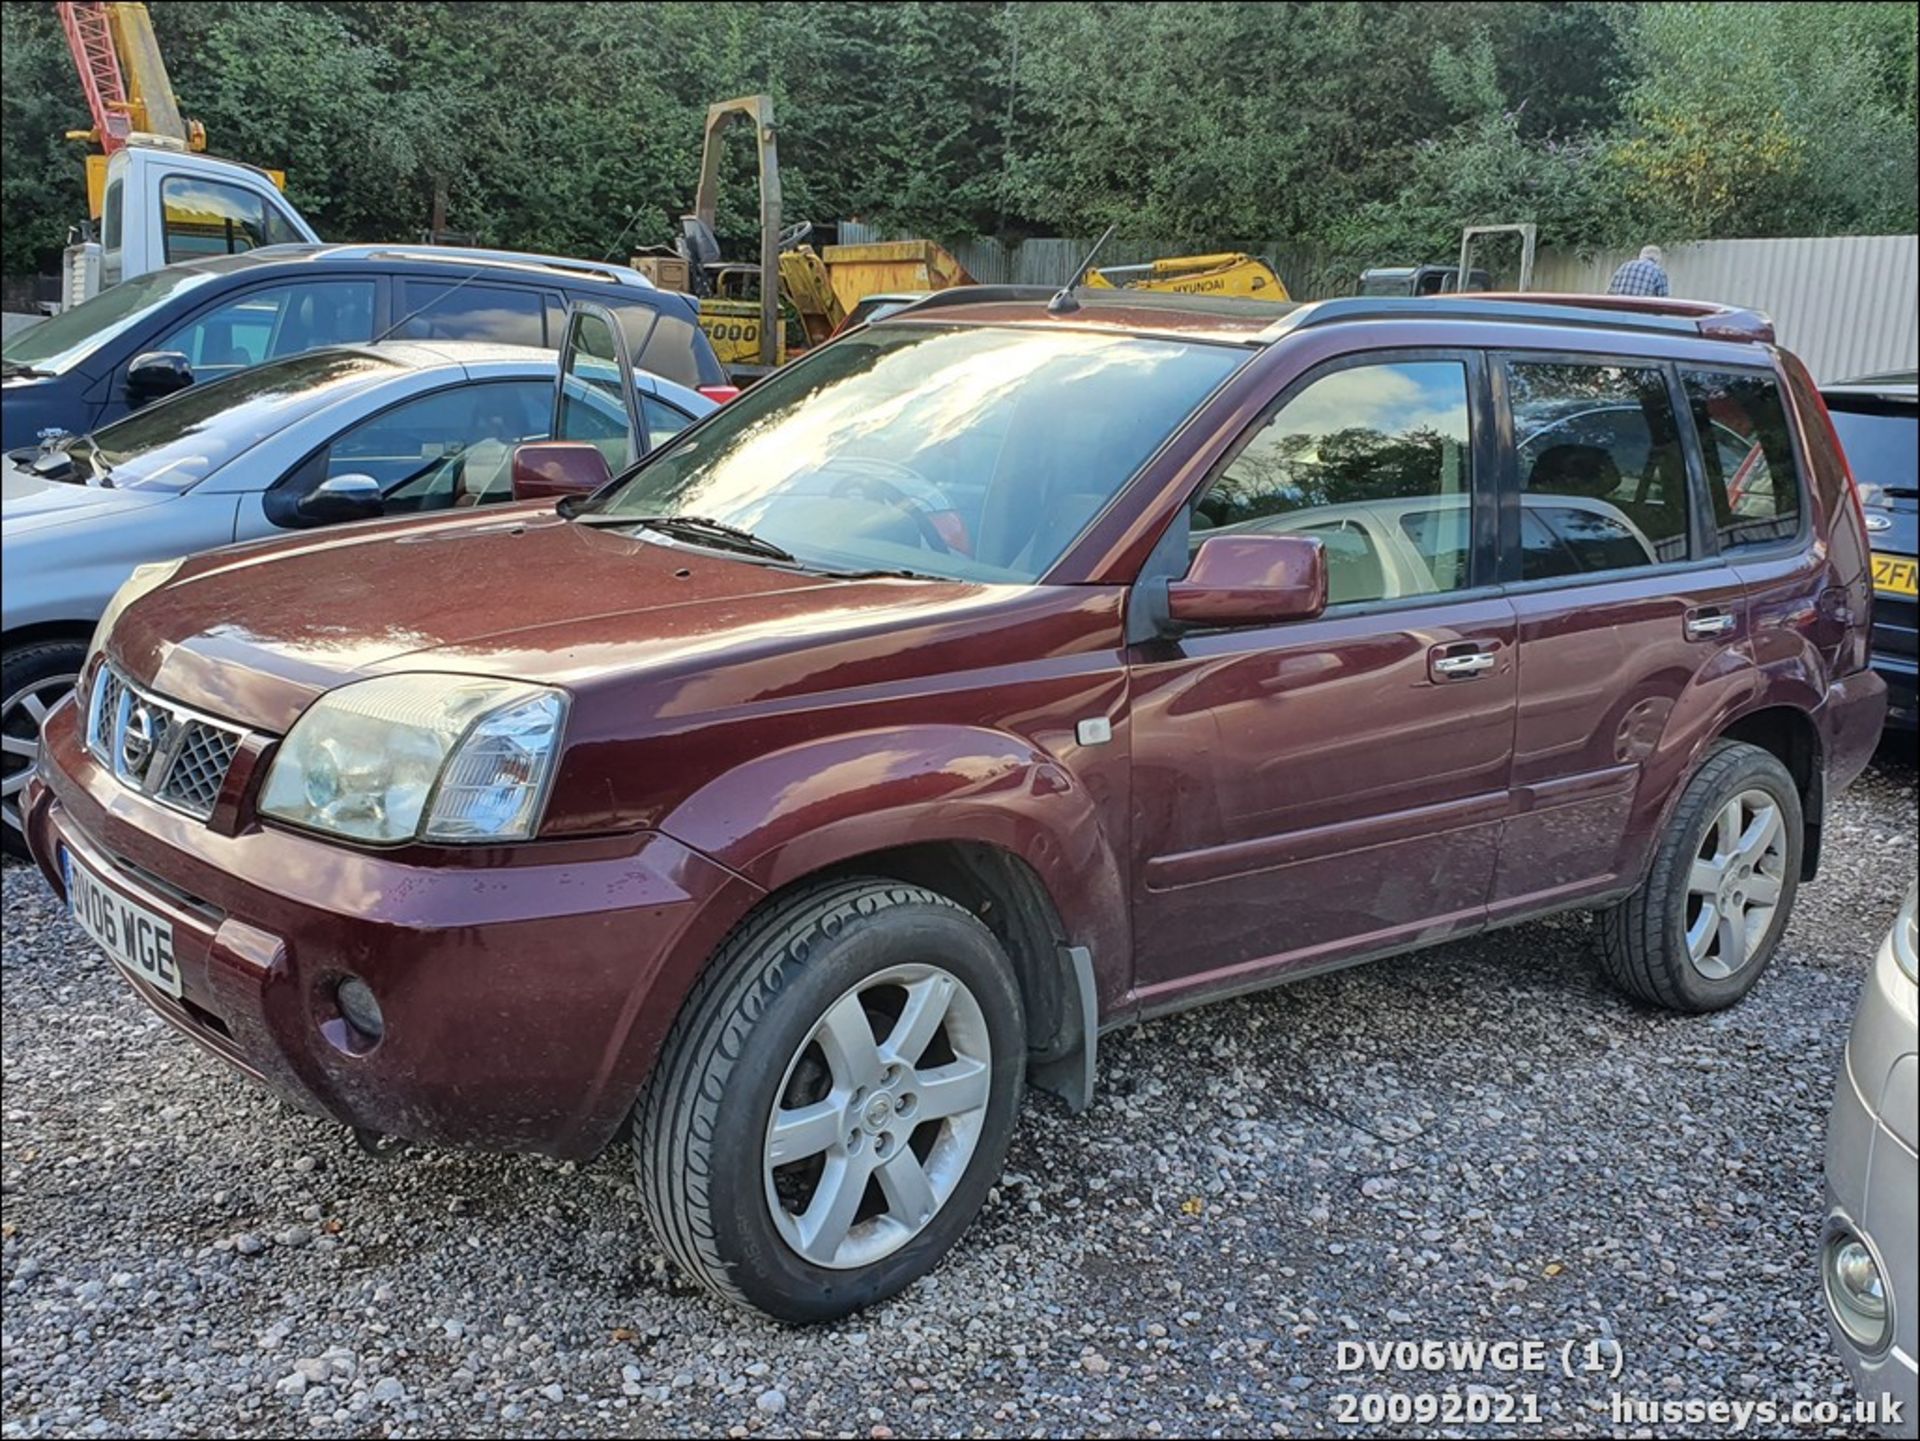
[204, 319]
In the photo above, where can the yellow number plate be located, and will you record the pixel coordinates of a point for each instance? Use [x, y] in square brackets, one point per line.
[1895, 574]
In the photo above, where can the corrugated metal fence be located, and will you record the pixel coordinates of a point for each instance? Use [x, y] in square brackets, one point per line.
[1847, 305]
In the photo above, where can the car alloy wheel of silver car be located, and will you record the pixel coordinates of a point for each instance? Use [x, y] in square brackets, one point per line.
[1735, 884]
[878, 1115]
[22, 714]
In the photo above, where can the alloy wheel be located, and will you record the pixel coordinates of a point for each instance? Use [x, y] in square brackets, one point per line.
[879, 1112]
[1735, 883]
[21, 715]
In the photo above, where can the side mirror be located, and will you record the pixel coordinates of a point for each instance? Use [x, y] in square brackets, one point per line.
[1251, 580]
[339, 499]
[157, 373]
[547, 468]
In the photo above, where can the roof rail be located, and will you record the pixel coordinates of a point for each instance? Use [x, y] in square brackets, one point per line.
[455, 254]
[973, 295]
[1115, 297]
[1610, 312]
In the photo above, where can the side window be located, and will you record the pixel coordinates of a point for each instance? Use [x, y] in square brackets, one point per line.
[113, 215]
[669, 351]
[274, 321]
[209, 217]
[1603, 479]
[593, 402]
[449, 310]
[1751, 472]
[1375, 461]
[450, 447]
[664, 421]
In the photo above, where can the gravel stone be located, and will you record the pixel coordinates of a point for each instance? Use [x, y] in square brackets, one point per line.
[1480, 1142]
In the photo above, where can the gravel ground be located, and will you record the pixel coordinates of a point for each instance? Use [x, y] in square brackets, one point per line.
[1480, 1142]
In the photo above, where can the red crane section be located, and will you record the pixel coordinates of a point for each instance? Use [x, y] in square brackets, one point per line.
[90, 38]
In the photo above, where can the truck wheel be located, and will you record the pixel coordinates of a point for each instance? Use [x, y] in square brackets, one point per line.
[834, 1100]
[33, 679]
[1697, 934]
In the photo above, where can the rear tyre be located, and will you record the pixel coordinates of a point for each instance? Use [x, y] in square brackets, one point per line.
[33, 679]
[1696, 936]
[835, 1098]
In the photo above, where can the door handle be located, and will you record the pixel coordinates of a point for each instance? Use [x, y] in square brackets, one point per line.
[1706, 624]
[1462, 660]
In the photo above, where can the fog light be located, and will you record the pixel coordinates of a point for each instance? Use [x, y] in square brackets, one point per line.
[1856, 1291]
[362, 1011]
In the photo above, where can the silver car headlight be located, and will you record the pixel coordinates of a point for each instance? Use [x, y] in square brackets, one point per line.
[419, 756]
[145, 578]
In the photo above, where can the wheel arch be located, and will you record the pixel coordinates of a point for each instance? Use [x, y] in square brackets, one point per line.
[41, 631]
[981, 816]
[1789, 735]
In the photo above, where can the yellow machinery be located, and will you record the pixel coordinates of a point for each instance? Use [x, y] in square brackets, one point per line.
[1229, 273]
[129, 94]
[753, 327]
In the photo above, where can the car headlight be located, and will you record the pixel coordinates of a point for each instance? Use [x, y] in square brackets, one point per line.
[145, 578]
[419, 756]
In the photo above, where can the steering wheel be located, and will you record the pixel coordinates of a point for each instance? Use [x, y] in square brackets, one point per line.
[796, 233]
[887, 492]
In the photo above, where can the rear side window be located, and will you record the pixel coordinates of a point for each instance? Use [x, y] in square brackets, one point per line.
[450, 310]
[1751, 472]
[664, 421]
[1603, 479]
[669, 351]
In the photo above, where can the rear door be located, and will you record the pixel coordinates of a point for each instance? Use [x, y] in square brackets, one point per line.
[1632, 627]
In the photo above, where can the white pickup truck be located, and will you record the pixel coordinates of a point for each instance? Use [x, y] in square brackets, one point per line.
[163, 204]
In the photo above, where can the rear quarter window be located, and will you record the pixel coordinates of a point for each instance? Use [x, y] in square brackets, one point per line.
[1753, 472]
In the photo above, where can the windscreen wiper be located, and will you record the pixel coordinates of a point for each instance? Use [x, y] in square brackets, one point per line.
[704, 530]
[14, 370]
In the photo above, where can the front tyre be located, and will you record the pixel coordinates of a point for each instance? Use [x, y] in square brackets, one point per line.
[1696, 936]
[835, 1098]
[33, 680]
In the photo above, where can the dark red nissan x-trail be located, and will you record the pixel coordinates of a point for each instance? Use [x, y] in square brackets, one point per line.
[998, 674]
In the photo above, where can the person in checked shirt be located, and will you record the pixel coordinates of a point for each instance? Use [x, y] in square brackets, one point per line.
[1644, 276]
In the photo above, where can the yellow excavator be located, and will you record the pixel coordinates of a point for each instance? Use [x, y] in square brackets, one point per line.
[1246, 277]
[753, 326]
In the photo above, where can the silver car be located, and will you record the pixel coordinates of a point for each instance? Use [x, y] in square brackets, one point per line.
[331, 435]
[1871, 1244]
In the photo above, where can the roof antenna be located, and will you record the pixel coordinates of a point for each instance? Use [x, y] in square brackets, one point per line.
[1063, 302]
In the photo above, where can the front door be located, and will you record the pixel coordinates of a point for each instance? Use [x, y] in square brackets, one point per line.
[1633, 628]
[1316, 791]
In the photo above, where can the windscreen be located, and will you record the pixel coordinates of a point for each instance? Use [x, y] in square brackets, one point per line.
[62, 341]
[968, 453]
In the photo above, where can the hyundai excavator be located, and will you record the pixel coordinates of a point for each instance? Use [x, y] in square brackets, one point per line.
[1246, 277]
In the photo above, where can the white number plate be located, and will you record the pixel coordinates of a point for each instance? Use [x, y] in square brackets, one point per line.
[134, 938]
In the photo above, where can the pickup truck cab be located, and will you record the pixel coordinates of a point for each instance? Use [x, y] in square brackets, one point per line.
[161, 206]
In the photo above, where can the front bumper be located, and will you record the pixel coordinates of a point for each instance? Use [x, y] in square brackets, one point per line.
[1873, 1177]
[525, 992]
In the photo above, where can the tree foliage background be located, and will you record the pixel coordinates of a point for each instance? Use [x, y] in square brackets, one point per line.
[1376, 129]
